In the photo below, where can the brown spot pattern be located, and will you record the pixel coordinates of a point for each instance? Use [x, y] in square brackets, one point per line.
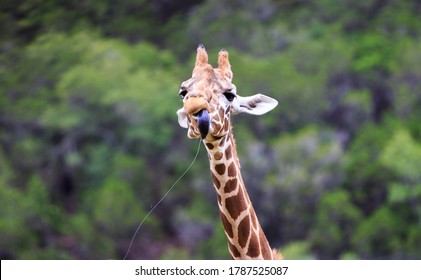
[235, 204]
[220, 168]
[232, 171]
[231, 185]
[218, 155]
[222, 143]
[254, 247]
[267, 254]
[227, 225]
[234, 250]
[244, 231]
[228, 153]
[210, 146]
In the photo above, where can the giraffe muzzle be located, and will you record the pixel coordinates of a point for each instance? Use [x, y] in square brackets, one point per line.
[203, 122]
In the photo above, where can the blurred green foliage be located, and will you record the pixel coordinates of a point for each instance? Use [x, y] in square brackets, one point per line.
[89, 139]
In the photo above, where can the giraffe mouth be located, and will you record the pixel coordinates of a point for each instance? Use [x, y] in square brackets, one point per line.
[203, 122]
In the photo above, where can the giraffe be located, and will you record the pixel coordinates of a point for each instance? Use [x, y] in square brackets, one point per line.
[209, 99]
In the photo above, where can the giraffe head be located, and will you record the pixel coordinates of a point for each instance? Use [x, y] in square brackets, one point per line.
[210, 98]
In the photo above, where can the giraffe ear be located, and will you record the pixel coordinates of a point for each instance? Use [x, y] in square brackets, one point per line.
[258, 104]
[182, 118]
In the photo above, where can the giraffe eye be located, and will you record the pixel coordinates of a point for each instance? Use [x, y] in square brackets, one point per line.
[183, 93]
[229, 96]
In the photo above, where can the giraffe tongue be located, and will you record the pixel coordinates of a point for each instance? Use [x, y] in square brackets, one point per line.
[203, 122]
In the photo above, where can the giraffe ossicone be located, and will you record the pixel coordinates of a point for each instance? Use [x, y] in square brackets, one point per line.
[209, 100]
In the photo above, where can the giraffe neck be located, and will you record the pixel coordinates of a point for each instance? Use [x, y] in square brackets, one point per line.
[246, 239]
